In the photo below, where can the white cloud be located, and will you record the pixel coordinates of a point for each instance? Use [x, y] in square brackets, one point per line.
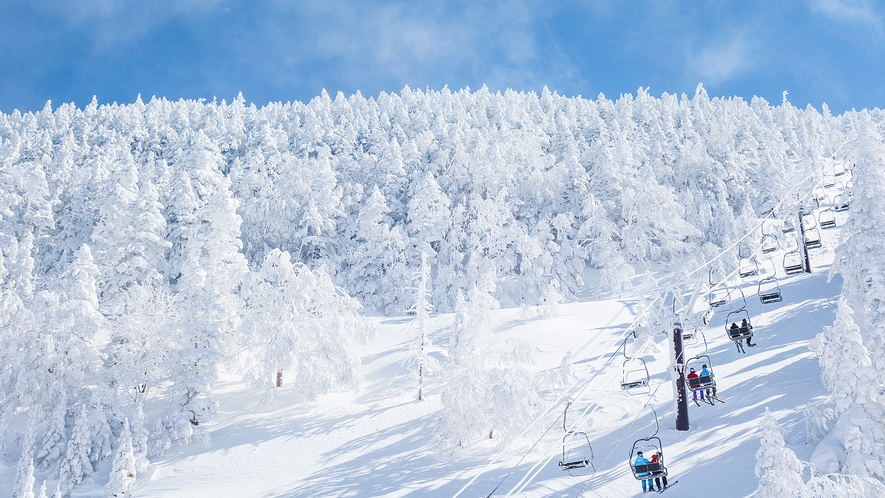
[857, 11]
[720, 63]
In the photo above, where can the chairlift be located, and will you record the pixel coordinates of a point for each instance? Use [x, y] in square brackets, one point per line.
[809, 222]
[788, 224]
[740, 332]
[690, 334]
[720, 294]
[812, 238]
[635, 377]
[769, 290]
[838, 170]
[842, 202]
[577, 454]
[748, 267]
[702, 383]
[652, 446]
[793, 262]
[769, 243]
[826, 218]
[829, 181]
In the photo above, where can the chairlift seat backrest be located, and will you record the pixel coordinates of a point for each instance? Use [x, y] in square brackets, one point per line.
[634, 384]
[577, 464]
[648, 468]
[774, 297]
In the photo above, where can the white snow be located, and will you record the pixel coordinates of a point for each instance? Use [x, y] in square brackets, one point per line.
[377, 441]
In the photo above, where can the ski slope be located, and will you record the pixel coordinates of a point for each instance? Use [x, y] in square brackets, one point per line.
[377, 441]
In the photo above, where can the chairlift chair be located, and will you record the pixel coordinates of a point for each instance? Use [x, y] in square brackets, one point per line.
[650, 445]
[812, 238]
[748, 267]
[769, 290]
[842, 202]
[839, 170]
[635, 377]
[740, 333]
[793, 263]
[701, 383]
[577, 454]
[788, 225]
[809, 222]
[829, 181]
[720, 296]
[826, 218]
[769, 243]
[690, 334]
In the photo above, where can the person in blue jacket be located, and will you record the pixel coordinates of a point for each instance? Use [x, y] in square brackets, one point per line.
[647, 484]
[707, 373]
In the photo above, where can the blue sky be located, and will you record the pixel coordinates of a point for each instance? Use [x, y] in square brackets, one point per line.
[820, 51]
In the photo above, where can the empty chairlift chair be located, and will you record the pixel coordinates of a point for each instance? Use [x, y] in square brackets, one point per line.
[635, 377]
[748, 267]
[769, 290]
[842, 202]
[812, 238]
[793, 263]
[769, 243]
[788, 225]
[826, 218]
[577, 454]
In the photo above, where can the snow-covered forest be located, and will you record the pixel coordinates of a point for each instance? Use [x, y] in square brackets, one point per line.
[148, 247]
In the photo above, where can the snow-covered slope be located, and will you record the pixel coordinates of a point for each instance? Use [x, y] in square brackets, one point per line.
[378, 441]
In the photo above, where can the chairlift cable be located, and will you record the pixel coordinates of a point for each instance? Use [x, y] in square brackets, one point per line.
[627, 430]
[584, 415]
[658, 283]
[594, 368]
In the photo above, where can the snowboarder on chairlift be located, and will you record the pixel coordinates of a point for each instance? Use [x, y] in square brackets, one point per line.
[658, 457]
[694, 375]
[641, 460]
[745, 329]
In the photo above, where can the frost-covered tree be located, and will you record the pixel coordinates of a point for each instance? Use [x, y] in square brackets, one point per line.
[491, 391]
[76, 464]
[422, 309]
[123, 470]
[209, 272]
[297, 323]
[778, 469]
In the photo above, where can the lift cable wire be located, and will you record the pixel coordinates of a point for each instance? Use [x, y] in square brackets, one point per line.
[586, 383]
[658, 283]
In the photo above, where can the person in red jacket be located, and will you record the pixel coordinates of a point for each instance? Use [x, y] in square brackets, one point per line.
[694, 394]
[657, 457]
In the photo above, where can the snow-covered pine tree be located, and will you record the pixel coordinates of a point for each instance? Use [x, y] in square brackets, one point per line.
[123, 470]
[209, 272]
[778, 469]
[76, 464]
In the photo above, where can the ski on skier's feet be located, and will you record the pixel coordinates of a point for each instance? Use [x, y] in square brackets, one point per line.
[668, 486]
[711, 398]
